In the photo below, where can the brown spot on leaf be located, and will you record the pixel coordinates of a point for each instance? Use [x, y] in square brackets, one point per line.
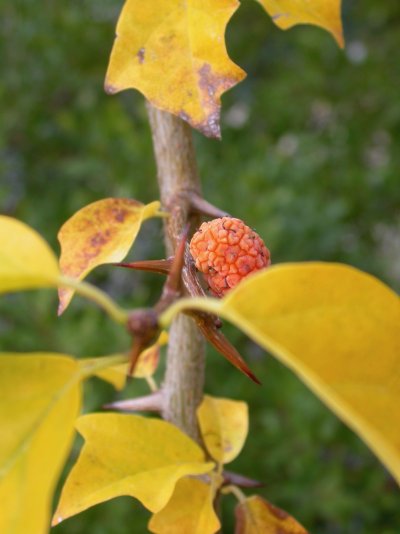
[277, 512]
[119, 215]
[98, 239]
[279, 16]
[140, 54]
[212, 86]
[110, 89]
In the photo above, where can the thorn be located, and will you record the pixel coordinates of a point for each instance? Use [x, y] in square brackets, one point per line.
[172, 286]
[134, 354]
[148, 403]
[199, 205]
[154, 266]
[240, 480]
[143, 327]
[211, 332]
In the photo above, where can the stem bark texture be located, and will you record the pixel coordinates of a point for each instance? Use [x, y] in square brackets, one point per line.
[177, 177]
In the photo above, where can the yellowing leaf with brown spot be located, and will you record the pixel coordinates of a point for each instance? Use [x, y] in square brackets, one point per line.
[255, 515]
[323, 13]
[128, 455]
[39, 402]
[26, 260]
[101, 232]
[224, 424]
[189, 511]
[174, 53]
[338, 329]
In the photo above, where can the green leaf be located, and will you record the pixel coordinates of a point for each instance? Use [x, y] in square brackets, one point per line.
[26, 260]
[128, 455]
[338, 329]
[40, 400]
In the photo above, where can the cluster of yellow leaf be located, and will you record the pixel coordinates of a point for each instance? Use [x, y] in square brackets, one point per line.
[174, 52]
[338, 329]
[334, 326]
[122, 456]
[100, 233]
[42, 398]
[41, 393]
[40, 401]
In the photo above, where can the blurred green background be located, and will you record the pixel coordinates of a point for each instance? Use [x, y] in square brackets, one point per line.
[308, 159]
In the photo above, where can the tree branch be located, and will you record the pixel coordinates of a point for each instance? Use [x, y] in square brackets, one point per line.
[177, 176]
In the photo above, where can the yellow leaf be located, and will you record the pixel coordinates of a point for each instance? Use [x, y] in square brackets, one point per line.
[224, 424]
[189, 511]
[148, 360]
[128, 455]
[175, 54]
[145, 367]
[112, 369]
[101, 232]
[338, 329]
[26, 260]
[323, 13]
[255, 515]
[40, 400]
[115, 375]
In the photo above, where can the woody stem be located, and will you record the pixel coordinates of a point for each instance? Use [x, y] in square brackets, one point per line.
[177, 174]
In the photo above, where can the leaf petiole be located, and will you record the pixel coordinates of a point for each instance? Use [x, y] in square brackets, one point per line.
[97, 296]
[209, 305]
[238, 493]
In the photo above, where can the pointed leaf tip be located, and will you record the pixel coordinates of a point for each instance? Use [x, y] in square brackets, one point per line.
[179, 60]
[129, 455]
[256, 515]
[323, 13]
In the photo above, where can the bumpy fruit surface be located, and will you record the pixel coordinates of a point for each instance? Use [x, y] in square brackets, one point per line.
[226, 251]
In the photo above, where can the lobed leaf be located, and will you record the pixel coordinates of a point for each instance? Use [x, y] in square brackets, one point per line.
[190, 510]
[40, 400]
[99, 233]
[128, 455]
[224, 425]
[255, 515]
[26, 260]
[338, 329]
[323, 13]
[175, 54]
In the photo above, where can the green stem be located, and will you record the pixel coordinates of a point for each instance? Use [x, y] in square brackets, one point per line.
[96, 295]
